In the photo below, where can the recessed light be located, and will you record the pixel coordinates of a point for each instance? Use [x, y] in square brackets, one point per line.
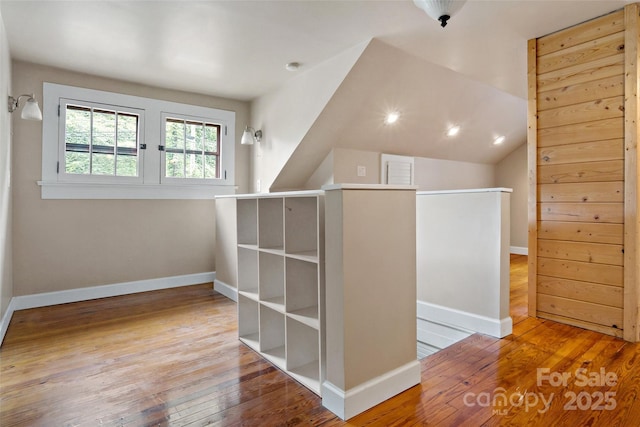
[391, 118]
[453, 131]
[292, 66]
[499, 140]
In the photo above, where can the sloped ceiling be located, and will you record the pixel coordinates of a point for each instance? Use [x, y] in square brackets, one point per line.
[238, 49]
[429, 98]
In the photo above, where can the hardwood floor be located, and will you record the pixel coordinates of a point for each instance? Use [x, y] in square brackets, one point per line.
[172, 357]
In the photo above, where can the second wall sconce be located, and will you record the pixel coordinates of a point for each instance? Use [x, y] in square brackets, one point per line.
[30, 110]
[250, 135]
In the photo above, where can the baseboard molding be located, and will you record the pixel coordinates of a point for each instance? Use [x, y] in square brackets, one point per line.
[6, 318]
[347, 404]
[83, 294]
[498, 328]
[227, 290]
[519, 250]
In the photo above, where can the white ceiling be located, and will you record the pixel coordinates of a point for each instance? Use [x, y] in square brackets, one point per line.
[238, 49]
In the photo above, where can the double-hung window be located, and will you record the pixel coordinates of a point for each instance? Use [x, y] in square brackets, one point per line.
[105, 145]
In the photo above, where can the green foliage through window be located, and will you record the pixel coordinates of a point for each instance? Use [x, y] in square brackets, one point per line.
[192, 149]
[100, 141]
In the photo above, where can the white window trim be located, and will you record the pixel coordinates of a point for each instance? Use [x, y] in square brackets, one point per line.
[52, 187]
[97, 179]
[163, 166]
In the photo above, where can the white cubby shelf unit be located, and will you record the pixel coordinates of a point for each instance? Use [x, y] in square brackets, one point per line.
[281, 281]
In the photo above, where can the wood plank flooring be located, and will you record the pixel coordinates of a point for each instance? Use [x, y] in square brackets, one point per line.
[172, 358]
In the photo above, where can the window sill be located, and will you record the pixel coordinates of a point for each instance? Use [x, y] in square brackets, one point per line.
[66, 190]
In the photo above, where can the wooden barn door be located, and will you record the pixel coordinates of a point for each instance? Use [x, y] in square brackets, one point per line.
[582, 174]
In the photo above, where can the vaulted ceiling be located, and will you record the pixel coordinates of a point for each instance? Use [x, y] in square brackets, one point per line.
[473, 71]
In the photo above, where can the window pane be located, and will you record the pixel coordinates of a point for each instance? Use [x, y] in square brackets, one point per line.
[211, 138]
[104, 127]
[127, 131]
[210, 167]
[77, 125]
[76, 163]
[174, 137]
[198, 138]
[127, 166]
[195, 166]
[103, 164]
[194, 136]
[175, 165]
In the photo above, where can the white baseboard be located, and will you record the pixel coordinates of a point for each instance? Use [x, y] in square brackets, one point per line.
[347, 404]
[83, 294]
[227, 290]
[6, 318]
[519, 250]
[498, 328]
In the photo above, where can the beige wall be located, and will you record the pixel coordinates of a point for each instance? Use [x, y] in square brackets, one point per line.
[67, 244]
[6, 280]
[438, 174]
[463, 258]
[341, 166]
[370, 330]
[346, 162]
[323, 175]
[226, 241]
[511, 172]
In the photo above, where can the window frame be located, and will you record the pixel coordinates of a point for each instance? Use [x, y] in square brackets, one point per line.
[149, 186]
[70, 177]
[163, 166]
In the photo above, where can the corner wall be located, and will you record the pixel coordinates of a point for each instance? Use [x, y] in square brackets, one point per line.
[511, 172]
[438, 174]
[6, 277]
[71, 244]
[286, 114]
[341, 166]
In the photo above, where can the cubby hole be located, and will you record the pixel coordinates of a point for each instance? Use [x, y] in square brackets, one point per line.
[272, 280]
[248, 329]
[272, 336]
[303, 353]
[247, 216]
[301, 226]
[270, 224]
[302, 291]
[248, 272]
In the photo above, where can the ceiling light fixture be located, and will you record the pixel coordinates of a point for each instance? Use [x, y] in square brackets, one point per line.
[392, 118]
[250, 135]
[440, 10]
[499, 140]
[30, 110]
[453, 131]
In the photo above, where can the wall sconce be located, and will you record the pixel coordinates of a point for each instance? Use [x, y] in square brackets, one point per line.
[30, 110]
[250, 135]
